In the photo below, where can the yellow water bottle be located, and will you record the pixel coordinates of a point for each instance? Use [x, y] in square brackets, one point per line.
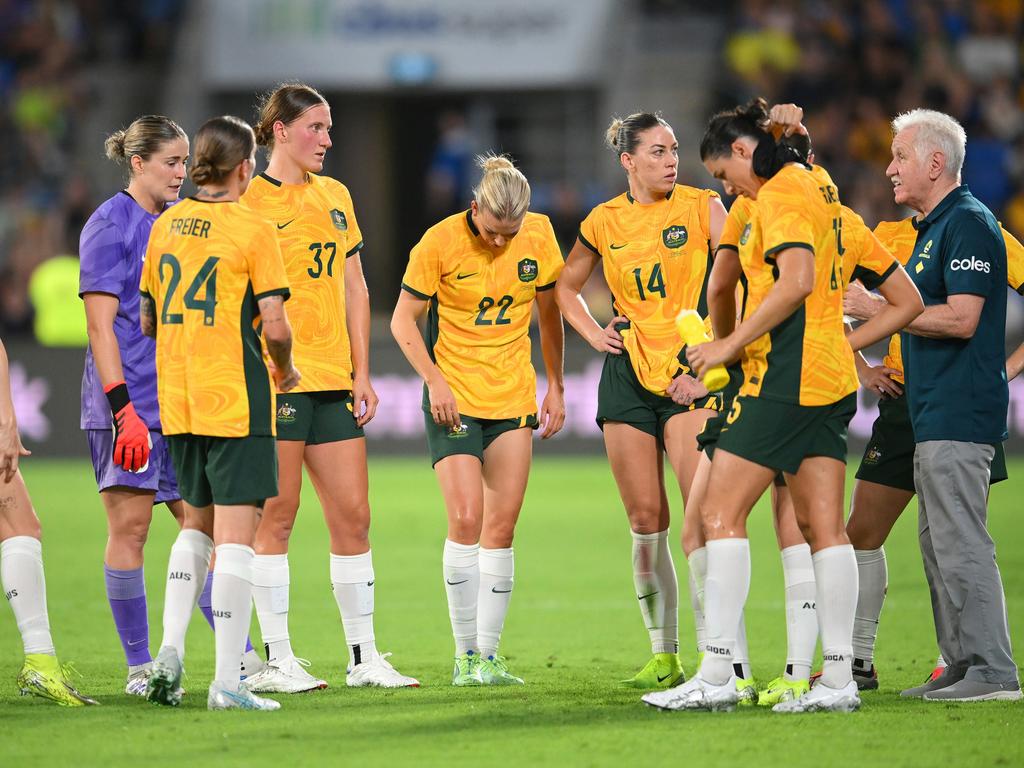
[691, 329]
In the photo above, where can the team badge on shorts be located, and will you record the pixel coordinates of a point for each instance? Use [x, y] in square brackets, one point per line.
[286, 414]
[873, 455]
[527, 270]
[675, 236]
[338, 220]
[454, 433]
[746, 234]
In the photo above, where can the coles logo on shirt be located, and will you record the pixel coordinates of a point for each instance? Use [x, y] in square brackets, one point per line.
[973, 264]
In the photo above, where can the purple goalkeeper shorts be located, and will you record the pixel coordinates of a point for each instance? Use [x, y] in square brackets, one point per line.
[159, 475]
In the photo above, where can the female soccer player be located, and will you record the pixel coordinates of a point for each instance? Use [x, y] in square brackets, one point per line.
[320, 423]
[480, 272]
[655, 241]
[21, 565]
[132, 466]
[864, 255]
[793, 409]
[213, 272]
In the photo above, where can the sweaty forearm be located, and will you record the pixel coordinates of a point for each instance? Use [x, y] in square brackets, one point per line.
[938, 321]
[280, 350]
[1015, 363]
[6, 401]
[106, 353]
[147, 316]
[552, 345]
[574, 309]
[887, 321]
[357, 320]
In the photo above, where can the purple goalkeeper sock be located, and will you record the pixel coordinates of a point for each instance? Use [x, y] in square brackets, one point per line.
[206, 606]
[206, 599]
[126, 591]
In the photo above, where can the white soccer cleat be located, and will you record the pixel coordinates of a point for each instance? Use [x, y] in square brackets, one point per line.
[221, 698]
[252, 664]
[137, 680]
[163, 685]
[378, 672]
[284, 676]
[696, 693]
[822, 698]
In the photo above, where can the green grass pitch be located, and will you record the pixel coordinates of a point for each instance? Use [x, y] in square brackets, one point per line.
[573, 631]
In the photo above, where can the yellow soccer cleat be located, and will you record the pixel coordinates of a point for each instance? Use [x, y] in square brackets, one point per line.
[780, 689]
[663, 671]
[746, 687]
[42, 675]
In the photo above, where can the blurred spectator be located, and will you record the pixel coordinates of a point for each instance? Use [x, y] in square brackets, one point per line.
[854, 64]
[449, 179]
[58, 322]
[44, 47]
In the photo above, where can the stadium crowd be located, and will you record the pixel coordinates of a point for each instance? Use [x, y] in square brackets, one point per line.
[45, 49]
[859, 63]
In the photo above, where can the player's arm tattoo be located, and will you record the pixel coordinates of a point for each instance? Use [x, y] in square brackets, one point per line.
[147, 315]
[276, 330]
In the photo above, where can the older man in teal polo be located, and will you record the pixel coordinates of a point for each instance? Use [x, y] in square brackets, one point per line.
[957, 395]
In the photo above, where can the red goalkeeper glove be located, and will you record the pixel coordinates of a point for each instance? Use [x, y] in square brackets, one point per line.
[131, 435]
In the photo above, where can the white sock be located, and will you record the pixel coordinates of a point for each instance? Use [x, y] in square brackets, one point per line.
[741, 656]
[461, 566]
[352, 581]
[186, 577]
[668, 637]
[21, 573]
[801, 615]
[835, 574]
[725, 594]
[497, 571]
[698, 561]
[657, 590]
[873, 577]
[232, 609]
[270, 578]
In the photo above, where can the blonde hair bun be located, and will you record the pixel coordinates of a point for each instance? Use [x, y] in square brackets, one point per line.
[503, 189]
[611, 136]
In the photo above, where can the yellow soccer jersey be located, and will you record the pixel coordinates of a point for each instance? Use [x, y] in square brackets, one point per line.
[207, 266]
[317, 230]
[478, 329]
[865, 257]
[740, 212]
[900, 237]
[656, 260]
[805, 360]
[1014, 262]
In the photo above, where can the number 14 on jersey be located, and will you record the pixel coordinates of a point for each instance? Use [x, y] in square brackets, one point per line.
[655, 282]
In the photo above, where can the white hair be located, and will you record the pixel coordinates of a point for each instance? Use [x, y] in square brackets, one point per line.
[936, 132]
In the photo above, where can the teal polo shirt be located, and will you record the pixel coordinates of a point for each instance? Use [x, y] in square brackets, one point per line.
[956, 388]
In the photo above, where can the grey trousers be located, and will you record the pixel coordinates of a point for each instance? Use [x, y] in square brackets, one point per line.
[952, 480]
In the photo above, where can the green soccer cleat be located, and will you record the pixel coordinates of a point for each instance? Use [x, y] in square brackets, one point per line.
[746, 687]
[467, 670]
[494, 671]
[663, 671]
[164, 684]
[42, 675]
[780, 689]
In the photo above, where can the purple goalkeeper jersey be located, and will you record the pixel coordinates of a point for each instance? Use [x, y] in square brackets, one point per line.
[112, 250]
